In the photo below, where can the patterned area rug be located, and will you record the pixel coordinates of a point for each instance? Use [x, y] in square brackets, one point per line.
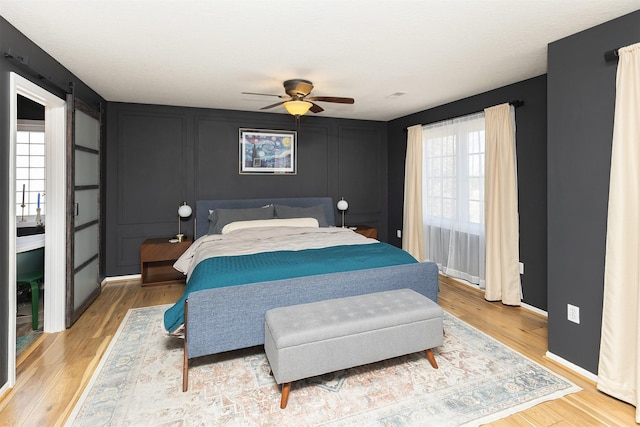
[139, 382]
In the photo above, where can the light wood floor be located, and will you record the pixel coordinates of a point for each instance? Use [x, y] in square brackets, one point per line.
[53, 374]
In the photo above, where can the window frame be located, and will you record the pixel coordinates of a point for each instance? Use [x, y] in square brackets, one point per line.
[437, 133]
[35, 126]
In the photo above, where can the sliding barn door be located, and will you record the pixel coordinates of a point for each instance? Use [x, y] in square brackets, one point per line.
[83, 207]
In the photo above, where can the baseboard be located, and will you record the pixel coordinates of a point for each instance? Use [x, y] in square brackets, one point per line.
[120, 278]
[534, 309]
[5, 390]
[572, 367]
[477, 288]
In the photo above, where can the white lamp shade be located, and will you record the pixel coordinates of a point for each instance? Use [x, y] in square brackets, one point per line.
[343, 205]
[184, 210]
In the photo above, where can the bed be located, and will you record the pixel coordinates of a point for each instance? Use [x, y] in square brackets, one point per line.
[217, 317]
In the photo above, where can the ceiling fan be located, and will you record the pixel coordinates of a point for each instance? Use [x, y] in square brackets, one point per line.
[297, 102]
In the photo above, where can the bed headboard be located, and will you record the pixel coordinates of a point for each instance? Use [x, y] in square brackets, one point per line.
[203, 207]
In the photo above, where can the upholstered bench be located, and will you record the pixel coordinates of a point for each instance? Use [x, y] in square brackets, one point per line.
[306, 340]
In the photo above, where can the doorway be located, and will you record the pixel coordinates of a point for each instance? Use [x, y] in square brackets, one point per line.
[55, 242]
[31, 221]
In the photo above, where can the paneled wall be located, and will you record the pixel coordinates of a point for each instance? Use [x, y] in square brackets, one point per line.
[158, 156]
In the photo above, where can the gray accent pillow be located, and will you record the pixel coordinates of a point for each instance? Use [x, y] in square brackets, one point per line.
[218, 218]
[316, 212]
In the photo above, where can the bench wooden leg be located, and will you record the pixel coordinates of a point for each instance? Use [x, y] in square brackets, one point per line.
[432, 359]
[286, 387]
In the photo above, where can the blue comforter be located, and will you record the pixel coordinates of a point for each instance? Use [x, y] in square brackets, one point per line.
[224, 271]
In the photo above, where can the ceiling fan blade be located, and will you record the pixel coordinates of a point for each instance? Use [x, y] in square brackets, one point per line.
[315, 108]
[273, 105]
[263, 94]
[337, 99]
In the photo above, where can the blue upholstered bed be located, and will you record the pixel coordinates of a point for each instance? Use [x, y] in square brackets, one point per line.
[232, 317]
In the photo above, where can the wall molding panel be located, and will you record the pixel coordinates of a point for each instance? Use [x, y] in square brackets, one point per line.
[158, 156]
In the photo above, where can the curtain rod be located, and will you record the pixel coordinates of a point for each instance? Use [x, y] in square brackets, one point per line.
[611, 55]
[516, 103]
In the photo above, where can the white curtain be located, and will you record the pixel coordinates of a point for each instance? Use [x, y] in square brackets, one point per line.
[413, 239]
[453, 196]
[619, 363]
[501, 207]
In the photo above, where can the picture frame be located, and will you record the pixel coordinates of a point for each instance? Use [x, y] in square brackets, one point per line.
[267, 152]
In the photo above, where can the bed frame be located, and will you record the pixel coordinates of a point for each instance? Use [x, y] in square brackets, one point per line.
[231, 318]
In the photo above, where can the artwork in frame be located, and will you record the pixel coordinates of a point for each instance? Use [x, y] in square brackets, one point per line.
[265, 151]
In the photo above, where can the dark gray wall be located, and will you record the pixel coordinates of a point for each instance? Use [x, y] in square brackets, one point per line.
[15, 42]
[581, 93]
[531, 142]
[160, 155]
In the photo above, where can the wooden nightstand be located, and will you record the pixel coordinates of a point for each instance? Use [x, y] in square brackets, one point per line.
[366, 231]
[157, 257]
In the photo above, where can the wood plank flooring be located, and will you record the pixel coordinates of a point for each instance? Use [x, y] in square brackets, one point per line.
[53, 373]
[526, 332]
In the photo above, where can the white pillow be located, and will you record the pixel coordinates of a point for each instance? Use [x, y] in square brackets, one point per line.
[278, 222]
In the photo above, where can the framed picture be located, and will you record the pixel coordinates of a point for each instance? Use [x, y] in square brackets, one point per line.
[264, 151]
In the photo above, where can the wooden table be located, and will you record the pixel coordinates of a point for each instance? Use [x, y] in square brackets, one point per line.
[157, 257]
[366, 231]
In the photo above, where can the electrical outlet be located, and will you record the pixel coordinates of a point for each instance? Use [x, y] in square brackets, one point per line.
[399, 234]
[573, 313]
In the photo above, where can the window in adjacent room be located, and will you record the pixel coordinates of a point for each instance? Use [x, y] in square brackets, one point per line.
[30, 168]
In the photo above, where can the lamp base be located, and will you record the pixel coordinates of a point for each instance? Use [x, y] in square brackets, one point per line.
[180, 237]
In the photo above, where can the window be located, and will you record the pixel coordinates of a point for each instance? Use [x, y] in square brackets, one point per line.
[454, 172]
[30, 167]
[453, 196]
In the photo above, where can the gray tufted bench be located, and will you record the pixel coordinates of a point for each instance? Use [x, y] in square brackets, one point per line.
[306, 340]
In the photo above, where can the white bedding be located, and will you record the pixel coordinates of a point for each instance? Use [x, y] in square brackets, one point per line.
[267, 239]
[276, 222]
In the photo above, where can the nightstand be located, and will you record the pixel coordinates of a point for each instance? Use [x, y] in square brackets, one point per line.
[157, 257]
[366, 231]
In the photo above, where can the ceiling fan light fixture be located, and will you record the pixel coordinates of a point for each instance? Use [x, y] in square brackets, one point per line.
[297, 107]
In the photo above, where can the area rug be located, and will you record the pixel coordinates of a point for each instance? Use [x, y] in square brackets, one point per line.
[25, 341]
[139, 382]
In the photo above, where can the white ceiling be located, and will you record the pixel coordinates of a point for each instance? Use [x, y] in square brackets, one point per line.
[204, 53]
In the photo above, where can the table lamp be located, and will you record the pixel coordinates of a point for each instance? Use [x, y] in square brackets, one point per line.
[184, 211]
[342, 206]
